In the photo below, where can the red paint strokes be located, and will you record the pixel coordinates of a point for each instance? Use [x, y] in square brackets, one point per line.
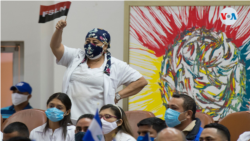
[228, 54]
[200, 83]
[187, 84]
[198, 110]
[192, 51]
[225, 103]
[158, 28]
[212, 61]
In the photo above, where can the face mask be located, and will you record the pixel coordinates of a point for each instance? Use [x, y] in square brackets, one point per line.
[79, 136]
[18, 98]
[92, 51]
[171, 118]
[54, 114]
[140, 138]
[107, 127]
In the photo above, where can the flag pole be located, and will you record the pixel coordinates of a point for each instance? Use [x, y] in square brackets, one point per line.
[65, 18]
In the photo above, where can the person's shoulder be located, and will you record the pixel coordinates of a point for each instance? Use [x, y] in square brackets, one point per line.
[6, 108]
[28, 106]
[6, 112]
[117, 62]
[71, 127]
[75, 51]
[39, 128]
[126, 137]
[243, 136]
[1, 136]
[71, 132]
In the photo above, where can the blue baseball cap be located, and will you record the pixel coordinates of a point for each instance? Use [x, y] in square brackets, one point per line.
[22, 87]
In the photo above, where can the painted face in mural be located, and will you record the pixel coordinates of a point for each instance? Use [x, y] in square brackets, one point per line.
[206, 65]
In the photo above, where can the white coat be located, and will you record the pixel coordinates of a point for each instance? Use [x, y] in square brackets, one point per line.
[37, 134]
[120, 136]
[1, 136]
[121, 73]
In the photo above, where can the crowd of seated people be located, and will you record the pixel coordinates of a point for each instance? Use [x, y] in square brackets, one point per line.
[180, 123]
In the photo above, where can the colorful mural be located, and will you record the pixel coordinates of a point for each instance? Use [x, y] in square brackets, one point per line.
[188, 49]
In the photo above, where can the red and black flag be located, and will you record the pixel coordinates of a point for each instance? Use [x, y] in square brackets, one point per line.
[51, 12]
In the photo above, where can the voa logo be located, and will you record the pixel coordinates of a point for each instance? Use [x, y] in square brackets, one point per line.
[228, 16]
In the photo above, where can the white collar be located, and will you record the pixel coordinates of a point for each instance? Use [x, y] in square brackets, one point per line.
[41, 128]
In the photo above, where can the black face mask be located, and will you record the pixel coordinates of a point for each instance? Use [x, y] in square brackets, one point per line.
[79, 136]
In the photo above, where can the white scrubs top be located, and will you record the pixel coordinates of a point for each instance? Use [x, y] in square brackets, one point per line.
[86, 88]
[120, 74]
[120, 136]
[37, 134]
[1, 136]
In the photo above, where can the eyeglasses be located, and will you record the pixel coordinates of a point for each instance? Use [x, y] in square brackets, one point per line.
[107, 116]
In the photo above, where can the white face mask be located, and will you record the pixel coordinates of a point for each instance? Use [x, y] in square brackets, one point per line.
[18, 98]
[107, 127]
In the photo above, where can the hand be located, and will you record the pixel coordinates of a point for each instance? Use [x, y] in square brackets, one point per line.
[116, 101]
[61, 24]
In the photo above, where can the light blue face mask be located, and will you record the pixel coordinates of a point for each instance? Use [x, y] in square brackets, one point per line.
[171, 117]
[54, 114]
[141, 138]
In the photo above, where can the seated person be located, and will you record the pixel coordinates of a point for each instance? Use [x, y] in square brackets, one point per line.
[171, 134]
[152, 126]
[180, 114]
[115, 124]
[15, 129]
[19, 139]
[82, 126]
[20, 99]
[83, 122]
[215, 132]
[58, 126]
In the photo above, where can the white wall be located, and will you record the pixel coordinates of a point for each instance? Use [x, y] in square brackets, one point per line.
[19, 22]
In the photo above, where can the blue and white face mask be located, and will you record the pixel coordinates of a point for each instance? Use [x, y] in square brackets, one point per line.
[54, 114]
[171, 117]
[93, 51]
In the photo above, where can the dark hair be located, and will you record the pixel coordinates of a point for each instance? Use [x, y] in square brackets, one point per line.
[66, 120]
[156, 123]
[19, 139]
[19, 127]
[188, 104]
[221, 129]
[125, 127]
[89, 116]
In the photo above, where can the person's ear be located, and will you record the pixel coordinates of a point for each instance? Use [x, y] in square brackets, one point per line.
[29, 96]
[119, 123]
[67, 112]
[105, 47]
[189, 114]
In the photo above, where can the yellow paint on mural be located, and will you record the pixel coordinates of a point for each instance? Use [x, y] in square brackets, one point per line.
[149, 99]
